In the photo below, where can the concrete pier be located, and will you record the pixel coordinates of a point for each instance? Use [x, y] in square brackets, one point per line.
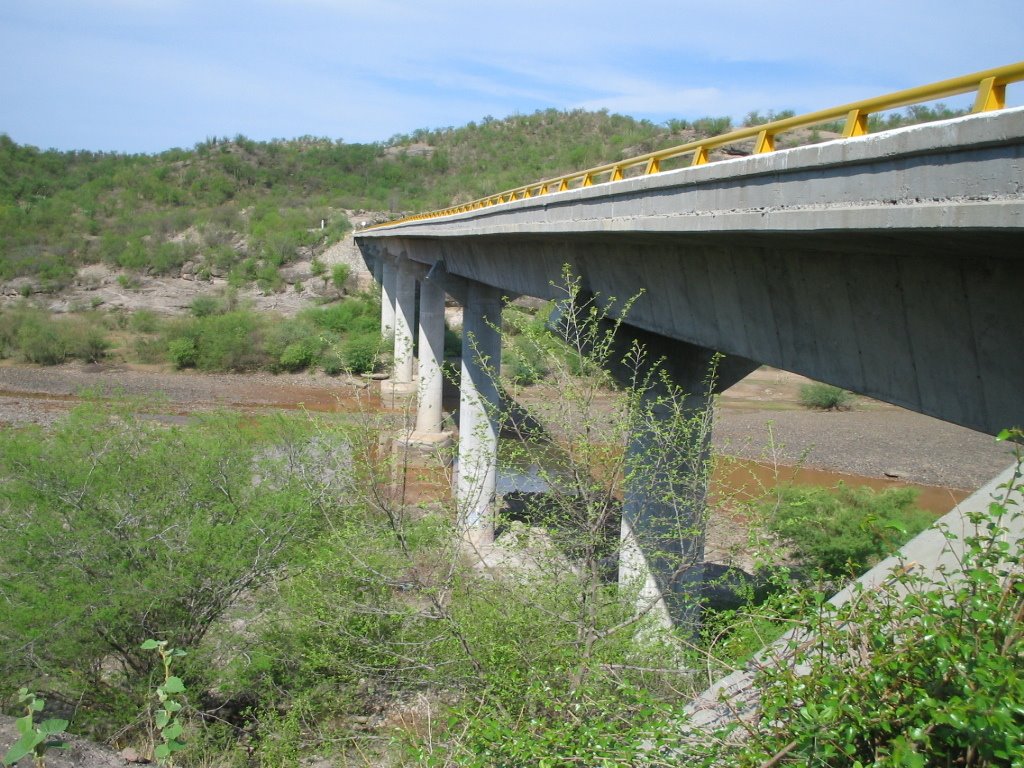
[431, 356]
[665, 504]
[388, 273]
[479, 405]
[405, 321]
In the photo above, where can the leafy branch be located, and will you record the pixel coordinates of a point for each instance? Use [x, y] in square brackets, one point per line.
[35, 739]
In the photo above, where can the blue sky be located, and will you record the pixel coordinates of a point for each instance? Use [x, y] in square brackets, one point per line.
[148, 75]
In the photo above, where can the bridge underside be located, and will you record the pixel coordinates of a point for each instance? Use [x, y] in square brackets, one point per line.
[887, 264]
[927, 320]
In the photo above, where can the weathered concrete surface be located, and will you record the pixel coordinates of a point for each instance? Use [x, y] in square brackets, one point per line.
[888, 264]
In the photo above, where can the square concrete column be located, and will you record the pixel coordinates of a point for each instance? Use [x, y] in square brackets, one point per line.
[667, 459]
[405, 320]
[388, 273]
[431, 355]
[479, 406]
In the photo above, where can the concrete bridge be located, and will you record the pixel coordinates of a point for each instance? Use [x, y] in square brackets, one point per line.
[888, 264]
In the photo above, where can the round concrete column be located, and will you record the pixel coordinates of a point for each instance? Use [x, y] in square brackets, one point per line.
[405, 318]
[431, 355]
[388, 273]
[479, 404]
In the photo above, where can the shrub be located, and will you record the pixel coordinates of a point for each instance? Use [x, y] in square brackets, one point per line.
[331, 363]
[230, 342]
[339, 276]
[825, 397]
[129, 282]
[452, 342]
[351, 315]
[141, 530]
[144, 321]
[40, 341]
[919, 670]
[87, 343]
[845, 530]
[299, 355]
[361, 353]
[523, 363]
[182, 352]
[204, 306]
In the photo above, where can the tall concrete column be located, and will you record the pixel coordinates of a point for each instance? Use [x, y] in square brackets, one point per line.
[667, 460]
[388, 273]
[431, 355]
[405, 319]
[479, 404]
[663, 512]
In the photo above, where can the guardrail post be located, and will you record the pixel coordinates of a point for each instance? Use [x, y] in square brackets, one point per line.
[990, 96]
[856, 123]
[765, 142]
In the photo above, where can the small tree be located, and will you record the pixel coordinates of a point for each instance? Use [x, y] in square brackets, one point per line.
[339, 276]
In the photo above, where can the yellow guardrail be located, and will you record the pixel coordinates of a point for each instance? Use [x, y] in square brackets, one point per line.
[990, 85]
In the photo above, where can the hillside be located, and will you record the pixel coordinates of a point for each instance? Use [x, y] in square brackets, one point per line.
[243, 209]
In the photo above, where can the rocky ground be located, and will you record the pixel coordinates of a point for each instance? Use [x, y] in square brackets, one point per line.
[98, 286]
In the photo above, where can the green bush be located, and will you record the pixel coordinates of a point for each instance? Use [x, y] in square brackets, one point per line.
[844, 530]
[452, 342]
[204, 306]
[360, 353]
[355, 314]
[825, 397]
[230, 342]
[919, 670]
[331, 363]
[88, 343]
[523, 362]
[40, 340]
[141, 530]
[299, 355]
[183, 352]
[144, 321]
[339, 276]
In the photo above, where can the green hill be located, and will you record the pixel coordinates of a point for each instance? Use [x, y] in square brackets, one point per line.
[245, 208]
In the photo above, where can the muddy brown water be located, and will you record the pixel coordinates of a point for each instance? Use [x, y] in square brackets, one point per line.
[747, 479]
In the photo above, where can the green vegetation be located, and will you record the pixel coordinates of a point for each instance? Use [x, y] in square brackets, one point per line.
[243, 208]
[34, 739]
[165, 718]
[844, 531]
[825, 397]
[918, 671]
[312, 598]
[36, 337]
[219, 336]
[117, 530]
